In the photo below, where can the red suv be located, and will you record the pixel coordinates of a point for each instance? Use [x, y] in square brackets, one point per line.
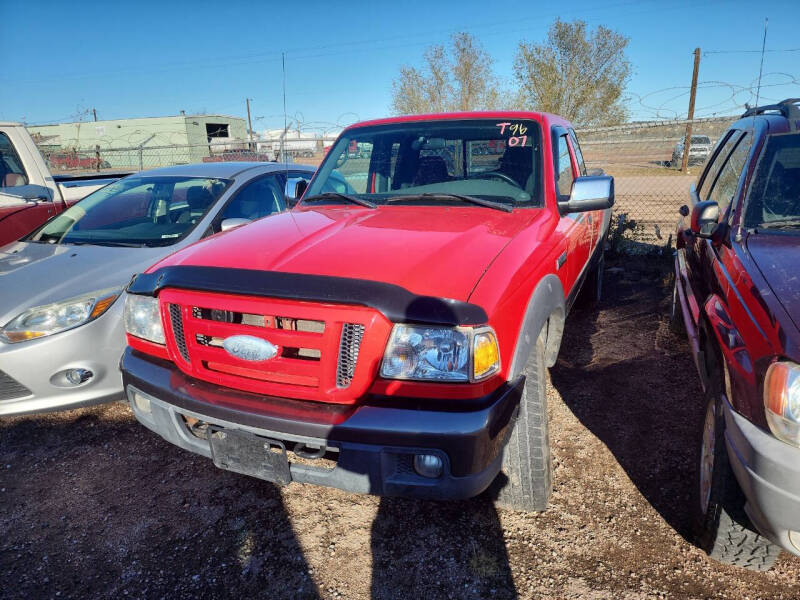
[391, 333]
[737, 294]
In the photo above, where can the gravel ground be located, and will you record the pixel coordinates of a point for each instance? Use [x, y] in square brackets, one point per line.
[93, 505]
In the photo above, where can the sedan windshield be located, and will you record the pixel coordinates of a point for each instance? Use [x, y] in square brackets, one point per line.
[135, 211]
[467, 162]
[774, 200]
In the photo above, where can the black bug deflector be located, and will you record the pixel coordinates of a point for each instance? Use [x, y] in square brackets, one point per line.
[396, 303]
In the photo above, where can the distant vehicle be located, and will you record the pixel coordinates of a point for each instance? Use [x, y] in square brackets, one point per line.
[699, 150]
[737, 296]
[60, 309]
[75, 160]
[238, 156]
[29, 193]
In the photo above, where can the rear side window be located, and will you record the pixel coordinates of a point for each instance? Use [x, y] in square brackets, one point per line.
[728, 179]
[12, 173]
[564, 174]
[578, 154]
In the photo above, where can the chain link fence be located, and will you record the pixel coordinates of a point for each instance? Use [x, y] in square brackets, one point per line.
[644, 158]
[650, 185]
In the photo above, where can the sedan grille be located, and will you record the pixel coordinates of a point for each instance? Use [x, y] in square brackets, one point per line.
[11, 389]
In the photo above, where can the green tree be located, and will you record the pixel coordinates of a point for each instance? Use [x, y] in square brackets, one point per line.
[578, 74]
[456, 78]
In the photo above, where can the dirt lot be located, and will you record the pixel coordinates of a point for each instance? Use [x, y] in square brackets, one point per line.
[93, 505]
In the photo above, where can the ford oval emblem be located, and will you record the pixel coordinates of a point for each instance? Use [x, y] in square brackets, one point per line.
[248, 347]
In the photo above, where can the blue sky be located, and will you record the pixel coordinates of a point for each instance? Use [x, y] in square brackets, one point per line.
[60, 59]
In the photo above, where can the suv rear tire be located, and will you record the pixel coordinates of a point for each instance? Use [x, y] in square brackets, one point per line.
[721, 526]
[526, 480]
[592, 290]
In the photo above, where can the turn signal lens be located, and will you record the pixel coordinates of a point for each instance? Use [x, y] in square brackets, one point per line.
[486, 355]
[782, 401]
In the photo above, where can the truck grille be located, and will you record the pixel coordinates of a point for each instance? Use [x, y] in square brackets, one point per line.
[325, 352]
[10, 388]
[349, 346]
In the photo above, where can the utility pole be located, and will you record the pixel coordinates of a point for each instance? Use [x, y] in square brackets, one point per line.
[249, 124]
[94, 112]
[687, 141]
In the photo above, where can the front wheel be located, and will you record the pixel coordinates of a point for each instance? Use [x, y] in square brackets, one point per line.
[721, 525]
[526, 480]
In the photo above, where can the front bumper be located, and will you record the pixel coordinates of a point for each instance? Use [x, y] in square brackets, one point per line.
[374, 444]
[27, 383]
[768, 471]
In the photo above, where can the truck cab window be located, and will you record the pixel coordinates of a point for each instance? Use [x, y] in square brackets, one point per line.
[12, 173]
[564, 174]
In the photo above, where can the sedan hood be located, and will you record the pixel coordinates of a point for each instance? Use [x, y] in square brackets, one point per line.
[428, 250]
[33, 274]
[777, 257]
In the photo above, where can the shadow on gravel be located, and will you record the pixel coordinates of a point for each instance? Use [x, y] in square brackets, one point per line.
[437, 550]
[167, 525]
[638, 394]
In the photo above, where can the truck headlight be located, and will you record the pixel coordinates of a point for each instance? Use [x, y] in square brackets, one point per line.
[782, 401]
[142, 318]
[42, 321]
[440, 353]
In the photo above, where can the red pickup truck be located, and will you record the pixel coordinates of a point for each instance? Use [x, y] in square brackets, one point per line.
[390, 334]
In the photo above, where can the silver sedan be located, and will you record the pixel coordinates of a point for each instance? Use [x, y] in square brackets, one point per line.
[61, 287]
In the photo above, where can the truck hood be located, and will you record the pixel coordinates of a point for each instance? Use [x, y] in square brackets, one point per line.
[429, 250]
[777, 257]
[34, 274]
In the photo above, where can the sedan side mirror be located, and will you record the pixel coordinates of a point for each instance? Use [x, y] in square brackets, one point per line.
[705, 216]
[590, 192]
[231, 223]
[295, 188]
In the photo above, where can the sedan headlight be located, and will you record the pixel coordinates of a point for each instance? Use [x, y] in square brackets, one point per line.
[142, 318]
[782, 401]
[440, 353]
[41, 321]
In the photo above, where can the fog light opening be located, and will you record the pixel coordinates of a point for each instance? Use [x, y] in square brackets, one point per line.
[141, 402]
[78, 376]
[794, 537]
[428, 465]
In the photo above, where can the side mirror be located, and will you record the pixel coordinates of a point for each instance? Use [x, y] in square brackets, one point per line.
[590, 192]
[705, 216]
[295, 188]
[231, 223]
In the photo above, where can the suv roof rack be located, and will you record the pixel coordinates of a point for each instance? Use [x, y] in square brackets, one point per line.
[789, 108]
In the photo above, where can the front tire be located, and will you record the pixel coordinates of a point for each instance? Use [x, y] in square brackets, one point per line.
[721, 525]
[526, 480]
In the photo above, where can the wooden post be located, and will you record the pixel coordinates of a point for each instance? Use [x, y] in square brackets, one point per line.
[687, 141]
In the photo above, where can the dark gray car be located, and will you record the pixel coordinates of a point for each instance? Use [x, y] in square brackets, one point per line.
[61, 333]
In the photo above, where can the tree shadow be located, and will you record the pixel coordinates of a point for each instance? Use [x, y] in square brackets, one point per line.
[424, 549]
[639, 394]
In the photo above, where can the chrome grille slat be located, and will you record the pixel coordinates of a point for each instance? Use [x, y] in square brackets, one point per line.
[349, 346]
[11, 389]
[176, 318]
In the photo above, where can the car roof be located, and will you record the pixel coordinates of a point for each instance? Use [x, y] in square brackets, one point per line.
[223, 169]
[542, 117]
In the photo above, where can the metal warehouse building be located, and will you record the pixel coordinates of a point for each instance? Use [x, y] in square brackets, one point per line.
[146, 142]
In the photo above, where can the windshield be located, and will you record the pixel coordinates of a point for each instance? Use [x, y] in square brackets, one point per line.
[775, 195]
[701, 139]
[135, 211]
[425, 162]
